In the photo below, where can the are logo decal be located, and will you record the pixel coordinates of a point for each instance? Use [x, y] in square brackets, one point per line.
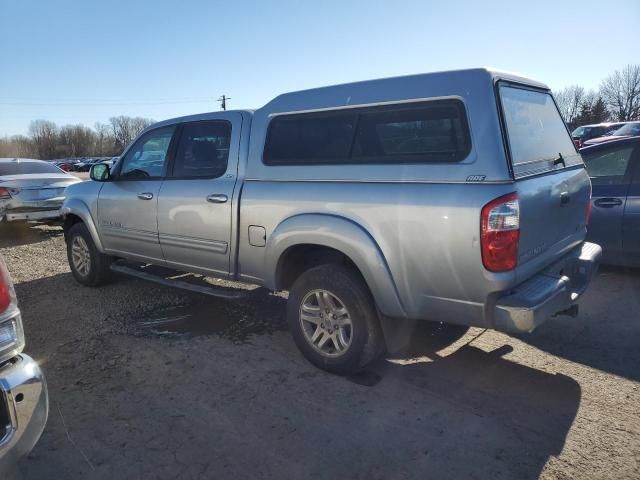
[476, 178]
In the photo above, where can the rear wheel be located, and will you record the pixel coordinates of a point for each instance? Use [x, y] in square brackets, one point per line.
[333, 320]
[88, 266]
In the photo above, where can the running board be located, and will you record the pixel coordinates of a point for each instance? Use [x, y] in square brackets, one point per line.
[220, 292]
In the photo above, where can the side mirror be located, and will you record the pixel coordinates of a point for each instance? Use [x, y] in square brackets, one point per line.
[100, 172]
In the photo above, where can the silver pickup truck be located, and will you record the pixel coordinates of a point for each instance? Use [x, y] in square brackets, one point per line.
[454, 196]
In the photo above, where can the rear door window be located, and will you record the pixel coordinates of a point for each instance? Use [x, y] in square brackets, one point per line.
[538, 139]
[411, 133]
[203, 150]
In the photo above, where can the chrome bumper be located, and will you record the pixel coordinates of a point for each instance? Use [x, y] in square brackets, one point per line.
[552, 291]
[25, 406]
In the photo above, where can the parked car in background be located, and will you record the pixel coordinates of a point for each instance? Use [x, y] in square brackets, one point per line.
[614, 168]
[629, 129]
[370, 202]
[85, 165]
[24, 403]
[66, 164]
[587, 132]
[31, 189]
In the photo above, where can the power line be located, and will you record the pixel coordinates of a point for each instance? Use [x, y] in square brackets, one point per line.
[100, 99]
[102, 104]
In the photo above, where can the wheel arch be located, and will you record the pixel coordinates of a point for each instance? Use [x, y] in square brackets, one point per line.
[304, 241]
[75, 211]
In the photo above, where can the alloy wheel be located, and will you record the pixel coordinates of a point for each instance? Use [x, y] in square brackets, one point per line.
[326, 323]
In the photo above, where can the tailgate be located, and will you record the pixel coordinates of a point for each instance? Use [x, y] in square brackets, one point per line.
[553, 186]
[553, 214]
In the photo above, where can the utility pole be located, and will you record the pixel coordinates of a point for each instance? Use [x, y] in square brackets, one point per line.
[223, 101]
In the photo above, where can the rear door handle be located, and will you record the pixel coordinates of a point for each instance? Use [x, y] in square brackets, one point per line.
[217, 198]
[608, 202]
[145, 196]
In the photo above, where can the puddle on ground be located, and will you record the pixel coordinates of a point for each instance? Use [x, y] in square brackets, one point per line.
[234, 321]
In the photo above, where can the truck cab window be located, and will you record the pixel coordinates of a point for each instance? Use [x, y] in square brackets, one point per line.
[147, 158]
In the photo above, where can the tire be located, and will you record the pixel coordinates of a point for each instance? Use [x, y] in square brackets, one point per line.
[97, 271]
[359, 325]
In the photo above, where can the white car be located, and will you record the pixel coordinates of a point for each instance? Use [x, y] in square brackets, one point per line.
[31, 189]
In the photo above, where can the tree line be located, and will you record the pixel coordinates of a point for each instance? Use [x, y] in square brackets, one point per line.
[47, 141]
[616, 99]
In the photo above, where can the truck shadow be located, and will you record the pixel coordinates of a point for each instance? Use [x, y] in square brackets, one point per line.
[479, 415]
[605, 334]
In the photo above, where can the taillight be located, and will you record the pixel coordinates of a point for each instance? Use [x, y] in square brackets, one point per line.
[500, 233]
[4, 193]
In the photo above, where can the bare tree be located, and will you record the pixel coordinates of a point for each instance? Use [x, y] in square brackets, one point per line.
[621, 93]
[18, 146]
[139, 124]
[570, 100]
[590, 98]
[76, 141]
[44, 135]
[125, 129]
[105, 142]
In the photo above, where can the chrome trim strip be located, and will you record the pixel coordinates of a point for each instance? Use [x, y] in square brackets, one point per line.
[130, 234]
[202, 244]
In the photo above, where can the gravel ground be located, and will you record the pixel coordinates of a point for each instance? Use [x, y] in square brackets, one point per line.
[221, 392]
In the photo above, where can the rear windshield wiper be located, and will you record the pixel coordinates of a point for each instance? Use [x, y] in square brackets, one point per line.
[559, 160]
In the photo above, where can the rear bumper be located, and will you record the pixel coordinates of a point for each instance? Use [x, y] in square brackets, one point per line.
[32, 210]
[25, 406]
[554, 290]
[32, 215]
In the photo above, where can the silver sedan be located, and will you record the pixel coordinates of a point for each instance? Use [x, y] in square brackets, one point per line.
[31, 189]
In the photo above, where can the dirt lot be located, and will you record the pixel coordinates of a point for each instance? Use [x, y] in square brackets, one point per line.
[223, 393]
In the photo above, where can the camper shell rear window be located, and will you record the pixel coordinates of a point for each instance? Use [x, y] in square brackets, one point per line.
[537, 136]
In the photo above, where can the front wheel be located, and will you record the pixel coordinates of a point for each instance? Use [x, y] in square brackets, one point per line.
[333, 320]
[88, 266]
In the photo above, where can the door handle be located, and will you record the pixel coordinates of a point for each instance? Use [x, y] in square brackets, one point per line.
[608, 202]
[145, 196]
[217, 198]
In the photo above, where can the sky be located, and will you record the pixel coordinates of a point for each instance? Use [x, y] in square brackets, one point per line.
[84, 61]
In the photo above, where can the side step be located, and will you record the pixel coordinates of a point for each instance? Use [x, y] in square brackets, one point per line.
[220, 292]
